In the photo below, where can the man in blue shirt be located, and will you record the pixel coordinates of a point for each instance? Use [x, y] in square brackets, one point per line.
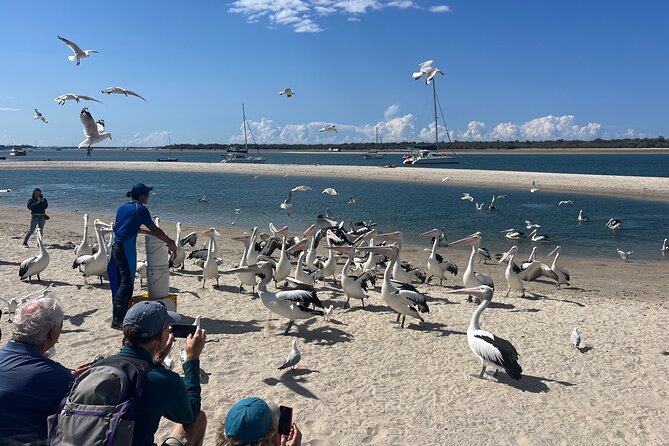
[123, 262]
[32, 385]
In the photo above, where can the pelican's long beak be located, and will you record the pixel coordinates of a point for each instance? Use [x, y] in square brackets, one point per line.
[482, 291]
[332, 237]
[311, 230]
[344, 249]
[507, 254]
[255, 269]
[210, 231]
[557, 249]
[388, 251]
[390, 236]
[431, 233]
[299, 246]
[470, 240]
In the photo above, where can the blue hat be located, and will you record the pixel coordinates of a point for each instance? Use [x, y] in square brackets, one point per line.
[249, 420]
[150, 317]
[140, 189]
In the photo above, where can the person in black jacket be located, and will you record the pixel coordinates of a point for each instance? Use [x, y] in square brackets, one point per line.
[37, 205]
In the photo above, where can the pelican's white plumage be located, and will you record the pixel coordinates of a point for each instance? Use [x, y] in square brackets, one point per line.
[84, 247]
[35, 265]
[210, 267]
[123, 91]
[78, 52]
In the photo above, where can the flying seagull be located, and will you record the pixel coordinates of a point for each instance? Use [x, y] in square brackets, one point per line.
[330, 191]
[78, 52]
[93, 131]
[427, 71]
[329, 128]
[565, 202]
[301, 189]
[288, 92]
[119, 90]
[73, 97]
[625, 255]
[39, 115]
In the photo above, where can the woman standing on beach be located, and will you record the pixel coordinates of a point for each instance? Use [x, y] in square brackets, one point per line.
[123, 262]
[37, 205]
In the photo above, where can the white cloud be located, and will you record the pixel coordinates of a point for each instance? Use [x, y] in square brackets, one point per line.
[9, 109]
[545, 128]
[474, 131]
[391, 111]
[153, 139]
[440, 8]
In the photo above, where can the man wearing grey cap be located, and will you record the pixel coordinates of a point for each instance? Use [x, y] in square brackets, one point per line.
[147, 336]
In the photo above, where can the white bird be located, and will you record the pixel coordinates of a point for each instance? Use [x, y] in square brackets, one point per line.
[330, 191]
[95, 264]
[119, 90]
[562, 274]
[78, 52]
[301, 189]
[625, 255]
[286, 205]
[353, 286]
[329, 128]
[13, 303]
[575, 338]
[581, 217]
[427, 71]
[466, 196]
[513, 234]
[565, 202]
[5, 191]
[40, 116]
[534, 189]
[84, 247]
[472, 278]
[210, 267]
[479, 206]
[293, 357]
[238, 211]
[141, 272]
[614, 223]
[203, 199]
[443, 180]
[177, 260]
[530, 225]
[93, 131]
[665, 247]
[436, 265]
[74, 97]
[510, 274]
[35, 265]
[535, 237]
[491, 350]
[327, 314]
[283, 266]
[351, 200]
[288, 92]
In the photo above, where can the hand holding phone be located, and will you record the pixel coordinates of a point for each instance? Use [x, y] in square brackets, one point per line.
[285, 420]
[183, 330]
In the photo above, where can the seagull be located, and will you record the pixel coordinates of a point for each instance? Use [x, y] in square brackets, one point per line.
[614, 223]
[301, 189]
[39, 115]
[443, 180]
[73, 97]
[327, 314]
[287, 205]
[427, 70]
[530, 225]
[351, 200]
[565, 202]
[575, 338]
[479, 206]
[466, 196]
[664, 250]
[293, 357]
[93, 131]
[534, 189]
[119, 90]
[288, 92]
[238, 211]
[5, 191]
[491, 206]
[78, 52]
[329, 128]
[203, 199]
[330, 191]
[625, 255]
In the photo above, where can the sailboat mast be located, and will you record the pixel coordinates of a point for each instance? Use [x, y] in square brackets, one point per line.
[246, 144]
[436, 123]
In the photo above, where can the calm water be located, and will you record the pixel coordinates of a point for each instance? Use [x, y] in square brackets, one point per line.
[654, 165]
[410, 208]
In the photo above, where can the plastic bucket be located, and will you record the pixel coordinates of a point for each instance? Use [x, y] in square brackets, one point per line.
[157, 268]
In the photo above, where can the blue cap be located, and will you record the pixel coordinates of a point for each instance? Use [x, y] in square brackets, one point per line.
[249, 420]
[150, 317]
[140, 189]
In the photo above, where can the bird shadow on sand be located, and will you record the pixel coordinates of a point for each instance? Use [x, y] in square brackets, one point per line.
[223, 326]
[3, 263]
[78, 319]
[54, 283]
[436, 327]
[525, 310]
[85, 286]
[369, 308]
[536, 296]
[529, 383]
[294, 382]
[179, 291]
[76, 330]
[231, 289]
[501, 306]
[585, 349]
[69, 246]
[321, 335]
[665, 353]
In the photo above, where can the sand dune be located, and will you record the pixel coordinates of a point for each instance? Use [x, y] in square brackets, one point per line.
[363, 380]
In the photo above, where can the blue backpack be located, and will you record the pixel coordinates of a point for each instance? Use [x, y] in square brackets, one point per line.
[100, 407]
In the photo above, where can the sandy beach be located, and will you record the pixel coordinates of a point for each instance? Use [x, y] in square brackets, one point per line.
[640, 187]
[363, 380]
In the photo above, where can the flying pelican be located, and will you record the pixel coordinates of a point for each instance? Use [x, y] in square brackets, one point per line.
[301, 189]
[625, 255]
[119, 90]
[581, 217]
[491, 350]
[614, 224]
[575, 338]
[78, 52]
[513, 234]
[291, 304]
[329, 128]
[406, 300]
[93, 131]
[330, 191]
[40, 116]
[538, 237]
[287, 205]
[95, 264]
[511, 276]
[35, 265]
[665, 247]
[210, 267]
[436, 265]
[293, 357]
[466, 196]
[471, 278]
[288, 92]
[565, 202]
[74, 97]
[84, 247]
[562, 274]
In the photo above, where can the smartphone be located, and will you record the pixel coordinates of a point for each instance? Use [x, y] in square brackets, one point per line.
[285, 420]
[183, 330]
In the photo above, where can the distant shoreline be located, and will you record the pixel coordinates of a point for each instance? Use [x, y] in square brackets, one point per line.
[640, 187]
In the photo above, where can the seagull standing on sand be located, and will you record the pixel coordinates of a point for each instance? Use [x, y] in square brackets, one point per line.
[78, 52]
[93, 131]
[288, 92]
[575, 338]
[40, 116]
[119, 90]
[293, 357]
[329, 128]
[73, 97]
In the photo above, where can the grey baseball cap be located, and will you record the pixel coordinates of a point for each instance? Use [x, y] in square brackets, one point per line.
[150, 317]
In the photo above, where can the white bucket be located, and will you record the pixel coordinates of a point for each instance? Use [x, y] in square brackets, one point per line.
[157, 268]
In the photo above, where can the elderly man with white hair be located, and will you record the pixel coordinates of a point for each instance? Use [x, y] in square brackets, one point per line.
[32, 385]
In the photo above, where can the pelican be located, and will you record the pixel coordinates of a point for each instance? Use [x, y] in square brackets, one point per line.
[283, 266]
[250, 277]
[511, 274]
[538, 237]
[665, 247]
[565, 202]
[13, 303]
[119, 90]
[141, 271]
[483, 254]
[203, 199]
[625, 255]
[40, 116]
[177, 259]
[210, 267]
[329, 267]
[96, 264]
[35, 265]
[329, 128]
[293, 357]
[436, 265]
[491, 350]
[466, 196]
[575, 338]
[288, 92]
[581, 217]
[351, 200]
[471, 278]
[74, 97]
[614, 224]
[78, 52]
[562, 274]
[353, 286]
[291, 304]
[84, 247]
[303, 276]
[406, 300]
[93, 131]
[439, 234]
[512, 234]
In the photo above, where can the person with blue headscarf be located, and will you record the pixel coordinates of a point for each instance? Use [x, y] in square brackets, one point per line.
[122, 265]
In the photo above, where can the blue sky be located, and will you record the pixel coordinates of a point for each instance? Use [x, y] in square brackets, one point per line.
[513, 69]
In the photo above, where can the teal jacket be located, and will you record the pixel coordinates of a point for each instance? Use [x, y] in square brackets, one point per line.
[165, 394]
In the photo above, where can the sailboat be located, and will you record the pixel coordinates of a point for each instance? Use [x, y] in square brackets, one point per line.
[239, 155]
[430, 154]
[374, 154]
[168, 159]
